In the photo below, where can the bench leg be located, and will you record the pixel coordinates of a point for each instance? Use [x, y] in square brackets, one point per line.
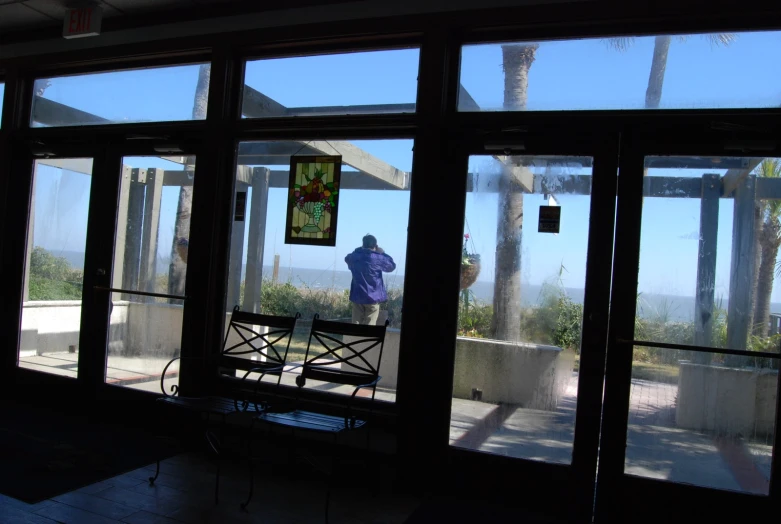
[251, 486]
[250, 434]
[157, 473]
[217, 484]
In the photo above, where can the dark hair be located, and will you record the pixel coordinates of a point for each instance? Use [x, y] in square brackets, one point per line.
[369, 242]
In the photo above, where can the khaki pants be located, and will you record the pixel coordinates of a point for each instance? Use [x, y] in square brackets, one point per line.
[366, 313]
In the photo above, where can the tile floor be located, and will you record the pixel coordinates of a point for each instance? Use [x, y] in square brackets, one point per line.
[184, 493]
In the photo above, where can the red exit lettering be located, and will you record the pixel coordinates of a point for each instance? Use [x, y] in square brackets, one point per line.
[84, 21]
[80, 20]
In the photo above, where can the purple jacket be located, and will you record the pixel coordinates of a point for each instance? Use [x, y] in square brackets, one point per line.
[367, 267]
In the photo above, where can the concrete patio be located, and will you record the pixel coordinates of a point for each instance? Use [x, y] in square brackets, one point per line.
[656, 448]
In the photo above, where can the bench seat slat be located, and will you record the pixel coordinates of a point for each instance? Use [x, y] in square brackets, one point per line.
[308, 420]
[215, 405]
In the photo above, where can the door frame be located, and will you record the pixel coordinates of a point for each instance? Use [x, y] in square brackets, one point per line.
[621, 497]
[567, 489]
[99, 247]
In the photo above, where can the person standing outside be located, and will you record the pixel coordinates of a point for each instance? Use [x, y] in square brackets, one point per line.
[367, 289]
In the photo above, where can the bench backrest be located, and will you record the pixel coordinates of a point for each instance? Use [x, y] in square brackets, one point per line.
[266, 337]
[352, 366]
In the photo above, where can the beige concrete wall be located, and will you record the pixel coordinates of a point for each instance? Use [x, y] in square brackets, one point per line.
[728, 401]
[51, 326]
[154, 330]
[533, 376]
[765, 405]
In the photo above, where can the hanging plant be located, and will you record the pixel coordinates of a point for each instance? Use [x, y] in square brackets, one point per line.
[470, 265]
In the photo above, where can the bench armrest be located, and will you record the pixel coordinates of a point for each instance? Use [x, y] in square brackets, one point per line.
[349, 418]
[174, 387]
[263, 372]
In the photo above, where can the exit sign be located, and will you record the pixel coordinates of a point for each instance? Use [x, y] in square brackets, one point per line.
[81, 22]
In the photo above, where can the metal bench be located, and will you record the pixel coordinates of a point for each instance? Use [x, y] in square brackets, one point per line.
[254, 345]
[353, 367]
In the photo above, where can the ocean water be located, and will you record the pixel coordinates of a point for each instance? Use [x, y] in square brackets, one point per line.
[674, 307]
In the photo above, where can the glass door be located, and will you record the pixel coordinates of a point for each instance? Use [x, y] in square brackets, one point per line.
[53, 287]
[150, 262]
[691, 397]
[527, 381]
[106, 266]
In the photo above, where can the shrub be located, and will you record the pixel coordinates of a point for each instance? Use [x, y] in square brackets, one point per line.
[52, 278]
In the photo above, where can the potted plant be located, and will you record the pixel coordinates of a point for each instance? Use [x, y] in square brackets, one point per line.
[470, 265]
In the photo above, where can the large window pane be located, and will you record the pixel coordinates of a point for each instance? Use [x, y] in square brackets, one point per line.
[268, 276]
[521, 306]
[56, 238]
[708, 263]
[353, 83]
[122, 97]
[665, 72]
[153, 232]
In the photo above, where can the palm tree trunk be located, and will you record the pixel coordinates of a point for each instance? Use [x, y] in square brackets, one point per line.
[517, 60]
[769, 246]
[653, 94]
[506, 322]
[178, 268]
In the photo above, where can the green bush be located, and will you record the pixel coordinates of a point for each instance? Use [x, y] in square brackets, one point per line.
[52, 278]
[474, 317]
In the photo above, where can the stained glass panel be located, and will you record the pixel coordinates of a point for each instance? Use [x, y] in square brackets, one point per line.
[313, 200]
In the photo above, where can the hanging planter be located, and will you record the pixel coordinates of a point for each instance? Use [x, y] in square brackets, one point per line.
[470, 266]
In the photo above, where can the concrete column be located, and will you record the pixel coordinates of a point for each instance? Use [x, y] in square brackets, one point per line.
[152, 201]
[236, 247]
[706, 264]
[257, 239]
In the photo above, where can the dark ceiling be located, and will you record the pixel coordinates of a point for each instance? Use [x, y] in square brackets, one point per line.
[23, 19]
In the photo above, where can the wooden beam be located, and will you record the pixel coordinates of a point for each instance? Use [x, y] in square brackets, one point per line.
[672, 187]
[30, 236]
[735, 176]
[256, 242]
[465, 100]
[768, 188]
[77, 165]
[742, 265]
[120, 242]
[359, 159]
[54, 114]
[151, 229]
[131, 260]
[706, 265]
[255, 104]
[237, 245]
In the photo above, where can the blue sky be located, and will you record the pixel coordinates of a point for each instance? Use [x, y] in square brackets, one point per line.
[585, 74]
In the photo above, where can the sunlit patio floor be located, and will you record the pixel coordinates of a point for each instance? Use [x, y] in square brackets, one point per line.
[656, 448]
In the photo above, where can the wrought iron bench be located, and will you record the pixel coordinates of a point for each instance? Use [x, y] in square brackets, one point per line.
[269, 347]
[352, 368]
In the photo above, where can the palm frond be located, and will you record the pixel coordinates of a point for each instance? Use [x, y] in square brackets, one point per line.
[768, 168]
[619, 43]
[721, 39]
